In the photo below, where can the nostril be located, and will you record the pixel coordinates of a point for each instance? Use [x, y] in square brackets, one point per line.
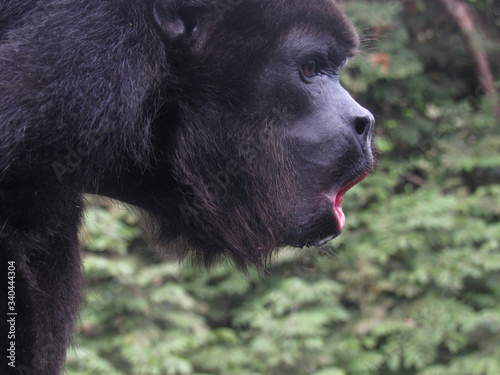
[364, 125]
[361, 124]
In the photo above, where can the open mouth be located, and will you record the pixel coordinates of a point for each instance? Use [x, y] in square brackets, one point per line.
[338, 197]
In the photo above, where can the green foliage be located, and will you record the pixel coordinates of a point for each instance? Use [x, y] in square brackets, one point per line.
[412, 287]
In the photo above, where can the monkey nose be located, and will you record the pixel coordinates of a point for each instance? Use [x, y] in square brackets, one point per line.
[364, 125]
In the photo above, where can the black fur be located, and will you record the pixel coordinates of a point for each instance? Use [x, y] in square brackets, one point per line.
[197, 112]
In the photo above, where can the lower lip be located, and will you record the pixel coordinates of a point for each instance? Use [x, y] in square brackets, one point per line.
[338, 198]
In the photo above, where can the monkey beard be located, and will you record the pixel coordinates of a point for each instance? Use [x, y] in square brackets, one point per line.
[236, 186]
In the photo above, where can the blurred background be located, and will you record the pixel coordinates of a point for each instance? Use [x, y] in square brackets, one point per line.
[412, 287]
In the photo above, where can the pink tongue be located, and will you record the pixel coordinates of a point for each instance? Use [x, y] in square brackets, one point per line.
[340, 198]
[339, 212]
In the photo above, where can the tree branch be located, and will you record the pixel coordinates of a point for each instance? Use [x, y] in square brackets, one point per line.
[462, 16]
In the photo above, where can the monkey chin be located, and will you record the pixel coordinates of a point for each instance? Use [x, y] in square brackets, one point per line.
[325, 240]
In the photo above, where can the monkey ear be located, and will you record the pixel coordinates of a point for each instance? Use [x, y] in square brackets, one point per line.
[178, 19]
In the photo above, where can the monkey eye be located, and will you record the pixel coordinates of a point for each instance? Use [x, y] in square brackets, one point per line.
[310, 68]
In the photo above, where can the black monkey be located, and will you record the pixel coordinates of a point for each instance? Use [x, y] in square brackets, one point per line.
[222, 120]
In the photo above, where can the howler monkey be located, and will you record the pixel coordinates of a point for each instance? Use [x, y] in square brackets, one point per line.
[222, 121]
